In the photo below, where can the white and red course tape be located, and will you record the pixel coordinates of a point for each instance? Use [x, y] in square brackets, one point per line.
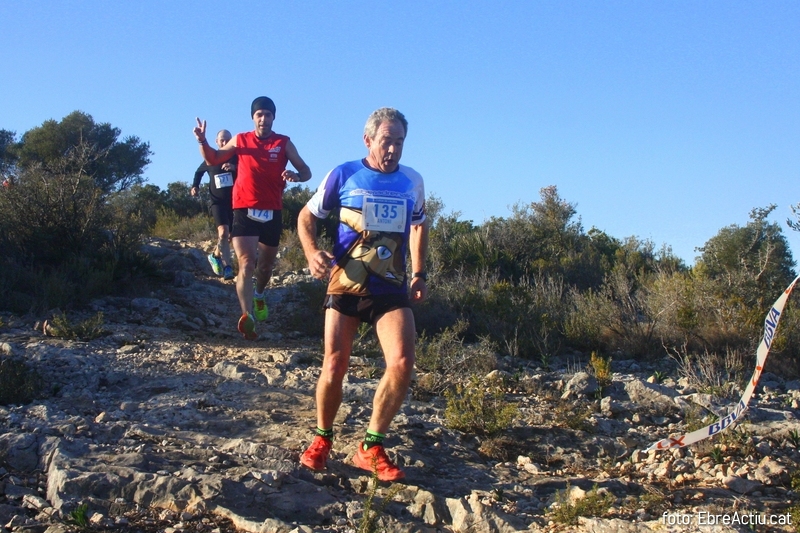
[770, 327]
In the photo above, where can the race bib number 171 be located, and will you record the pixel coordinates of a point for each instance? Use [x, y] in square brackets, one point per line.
[224, 180]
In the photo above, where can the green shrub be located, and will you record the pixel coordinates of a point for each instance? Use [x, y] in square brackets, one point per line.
[75, 243]
[618, 317]
[85, 330]
[524, 318]
[170, 225]
[501, 448]
[572, 415]
[711, 372]
[595, 503]
[601, 367]
[79, 516]
[717, 455]
[478, 408]
[64, 216]
[653, 501]
[794, 438]
[370, 520]
[294, 199]
[444, 359]
[19, 383]
[178, 199]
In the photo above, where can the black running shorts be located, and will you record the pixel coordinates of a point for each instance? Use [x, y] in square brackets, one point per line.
[268, 233]
[366, 308]
[223, 215]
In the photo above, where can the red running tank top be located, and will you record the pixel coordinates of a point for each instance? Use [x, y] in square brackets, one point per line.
[261, 162]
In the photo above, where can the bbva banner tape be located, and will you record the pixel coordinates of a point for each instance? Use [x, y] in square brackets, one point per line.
[770, 327]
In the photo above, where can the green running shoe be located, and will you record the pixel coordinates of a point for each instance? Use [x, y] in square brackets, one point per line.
[260, 307]
[216, 264]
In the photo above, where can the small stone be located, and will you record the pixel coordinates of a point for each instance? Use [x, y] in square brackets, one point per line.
[97, 519]
[740, 485]
[764, 448]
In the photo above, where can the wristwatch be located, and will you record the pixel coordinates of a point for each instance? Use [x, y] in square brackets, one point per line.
[423, 275]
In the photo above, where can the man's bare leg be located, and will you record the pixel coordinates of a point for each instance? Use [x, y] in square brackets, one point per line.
[223, 244]
[396, 334]
[340, 331]
[265, 265]
[246, 249]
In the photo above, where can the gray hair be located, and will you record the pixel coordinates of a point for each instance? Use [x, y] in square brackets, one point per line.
[382, 115]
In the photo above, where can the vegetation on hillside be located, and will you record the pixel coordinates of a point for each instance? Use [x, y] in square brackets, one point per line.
[533, 285]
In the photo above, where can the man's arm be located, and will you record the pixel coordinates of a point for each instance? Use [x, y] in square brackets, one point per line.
[198, 177]
[418, 248]
[303, 172]
[319, 261]
[211, 156]
[231, 165]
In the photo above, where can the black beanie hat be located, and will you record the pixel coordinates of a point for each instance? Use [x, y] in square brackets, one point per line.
[262, 102]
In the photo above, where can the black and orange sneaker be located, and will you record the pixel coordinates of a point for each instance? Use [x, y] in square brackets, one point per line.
[316, 455]
[375, 460]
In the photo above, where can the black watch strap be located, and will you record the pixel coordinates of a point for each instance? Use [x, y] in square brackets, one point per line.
[423, 275]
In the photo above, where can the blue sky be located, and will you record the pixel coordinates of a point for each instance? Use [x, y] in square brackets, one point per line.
[663, 120]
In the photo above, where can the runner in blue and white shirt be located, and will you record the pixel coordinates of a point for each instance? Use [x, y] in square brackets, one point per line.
[381, 208]
[376, 213]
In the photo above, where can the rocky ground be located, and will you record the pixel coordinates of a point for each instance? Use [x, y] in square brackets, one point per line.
[173, 423]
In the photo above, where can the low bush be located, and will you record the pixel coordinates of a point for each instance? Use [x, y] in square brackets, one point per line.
[291, 257]
[19, 382]
[523, 318]
[84, 330]
[601, 367]
[478, 408]
[596, 503]
[444, 359]
[572, 415]
[371, 518]
[170, 225]
[711, 372]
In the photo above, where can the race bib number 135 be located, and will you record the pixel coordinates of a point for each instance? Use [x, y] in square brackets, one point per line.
[384, 214]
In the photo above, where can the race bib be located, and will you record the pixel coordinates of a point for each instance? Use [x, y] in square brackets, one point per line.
[384, 214]
[224, 180]
[260, 215]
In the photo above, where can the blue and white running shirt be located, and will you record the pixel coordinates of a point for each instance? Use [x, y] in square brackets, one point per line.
[376, 211]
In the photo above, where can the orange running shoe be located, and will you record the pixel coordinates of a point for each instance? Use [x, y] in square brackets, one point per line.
[247, 327]
[375, 459]
[316, 455]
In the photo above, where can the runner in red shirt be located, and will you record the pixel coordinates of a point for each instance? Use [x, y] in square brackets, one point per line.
[257, 202]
